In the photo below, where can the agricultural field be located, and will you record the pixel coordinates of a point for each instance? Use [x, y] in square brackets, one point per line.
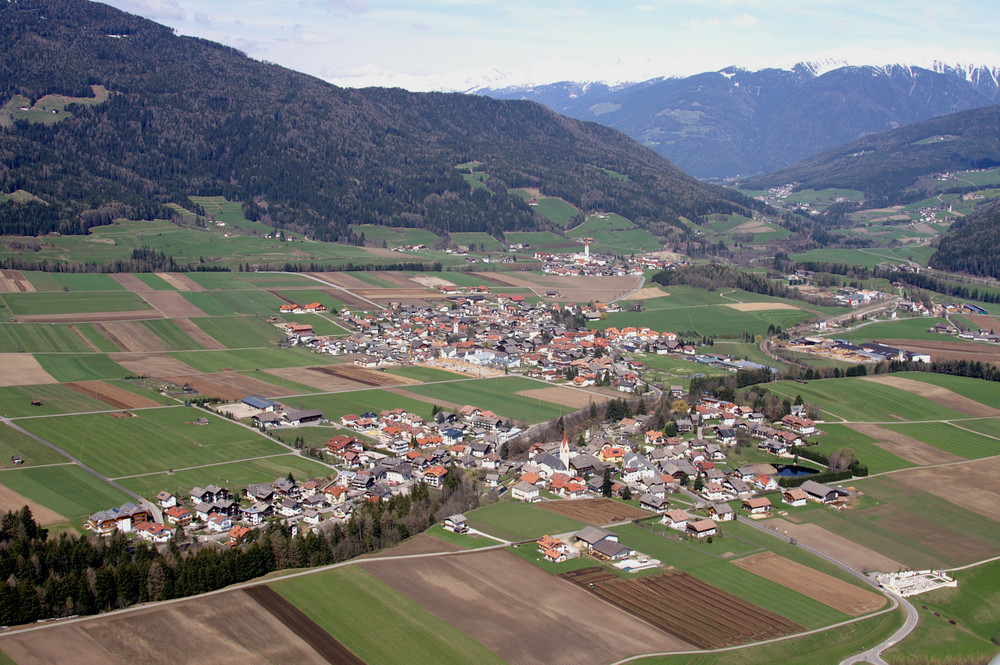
[67, 489]
[595, 511]
[32, 453]
[357, 402]
[394, 236]
[61, 303]
[83, 367]
[152, 440]
[497, 395]
[35, 337]
[614, 234]
[516, 521]
[16, 401]
[484, 242]
[543, 240]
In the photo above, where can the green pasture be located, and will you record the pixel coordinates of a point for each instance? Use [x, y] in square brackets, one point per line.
[277, 280]
[483, 241]
[240, 332]
[476, 180]
[614, 174]
[394, 236]
[542, 240]
[835, 437]
[973, 606]
[980, 390]
[321, 323]
[227, 303]
[248, 359]
[824, 196]
[515, 521]
[554, 209]
[721, 223]
[33, 453]
[950, 438]
[829, 646]
[66, 489]
[133, 386]
[32, 337]
[987, 426]
[233, 475]
[15, 401]
[84, 367]
[153, 440]
[466, 541]
[425, 374]
[498, 395]
[911, 526]
[87, 282]
[917, 328]
[348, 602]
[29, 304]
[705, 320]
[861, 400]
[154, 281]
[616, 234]
[373, 278]
[174, 339]
[221, 281]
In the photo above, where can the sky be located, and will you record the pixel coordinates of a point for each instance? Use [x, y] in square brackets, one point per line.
[466, 44]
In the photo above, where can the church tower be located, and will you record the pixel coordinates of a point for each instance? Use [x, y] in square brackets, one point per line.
[564, 450]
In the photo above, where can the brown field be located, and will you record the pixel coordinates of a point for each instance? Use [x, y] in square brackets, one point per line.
[760, 306]
[942, 396]
[972, 485]
[224, 629]
[180, 281]
[595, 511]
[341, 279]
[399, 279]
[575, 399]
[910, 449]
[321, 381]
[131, 282]
[325, 644]
[87, 317]
[504, 602]
[152, 364]
[430, 282]
[753, 226]
[335, 378]
[401, 294]
[83, 338]
[923, 227]
[130, 336]
[13, 501]
[856, 556]
[422, 543]
[571, 288]
[646, 293]
[948, 350]
[984, 321]
[205, 340]
[116, 396]
[838, 594]
[390, 254]
[683, 605]
[21, 369]
[227, 385]
[13, 281]
[173, 304]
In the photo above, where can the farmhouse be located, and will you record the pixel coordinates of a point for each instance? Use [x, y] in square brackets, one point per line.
[819, 492]
[702, 528]
[757, 505]
[179, 516]
[456, 523]
[795, 496]
[153, 532]
[260, 403]
[525, 491]
[675, 519]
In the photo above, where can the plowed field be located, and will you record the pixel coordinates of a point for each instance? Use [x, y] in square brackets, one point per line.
[12, 281]
[13, 501]
[172, 304]
[504, 602]
[575, 399]
[180, 282]
[947, 350]
[21, 369]
[130, 336]
[836, 593]
[595, 511]
[152, 364]
[197, 334]
[854, 555]
[116, 396]
[229, 386]
[685, 606]
[83, 317]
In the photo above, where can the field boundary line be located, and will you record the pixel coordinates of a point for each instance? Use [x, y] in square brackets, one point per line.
[202, 466]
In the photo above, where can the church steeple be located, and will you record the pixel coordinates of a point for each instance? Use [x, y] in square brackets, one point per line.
[564, 450]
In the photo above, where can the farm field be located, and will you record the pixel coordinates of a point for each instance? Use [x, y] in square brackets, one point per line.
[33, 453]
[595, 511]
[482, 241]
[153, 440]
[67, 489]
[60, 303]
[348, 602]
[950, 438]
[15, 401]
[35, 337]
[245, 359]
[984, 392]
[709, 618]
[915, 328]
[335, 405]
[229, 474]
[614, 234]
[229, 303]
[512, 520]
[870, 450]
[497, 395]
[85, 367]
[239, 332]
[242, 631]
[492, 596]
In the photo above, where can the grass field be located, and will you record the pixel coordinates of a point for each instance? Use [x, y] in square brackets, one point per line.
[424, 374]
[615, 234]
[173, 337]
[348, 602]
[984, 392]
[87, 282]
[66, 489]
[705, 320]
[154, 440]
[950, 438]
[545, 240]
[27, 304]
[915, 328]
[513, 520]
[95, 337]
[227, 303]
[335, 405]
[232, 475]
[864, 401]
[80, 367]
[13, 442]
[877, 460]
[497, 395]
[240, 332]
[394, 236]
[247, 359]
[974, 606]
[482, 241]
[466, 541]
[34, 337]
[15, 401]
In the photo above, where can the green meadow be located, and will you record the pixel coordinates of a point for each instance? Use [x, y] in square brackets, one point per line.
[515, 521]
[67, 489]
[86, 367]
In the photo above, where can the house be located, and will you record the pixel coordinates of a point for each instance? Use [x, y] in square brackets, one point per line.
[757, 505]
[260, 403]
[795, 496]
[592, 535]
[153, 532]
[654, 503]
[179, 516]
[434, 476]
[819, 492]
[239, 533]
[219, 523]
[455, 523]
[722, 512]
[553, 549]
[675, 519]
[611, 550]
[166, 500]
[257, 513]
[702, 528]
[524, 491]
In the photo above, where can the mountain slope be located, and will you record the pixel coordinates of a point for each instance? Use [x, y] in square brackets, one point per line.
[723, 124]
[972, 245]
[189, 117]
[885, 164]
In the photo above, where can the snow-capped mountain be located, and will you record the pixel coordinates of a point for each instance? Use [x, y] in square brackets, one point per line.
[738, 122]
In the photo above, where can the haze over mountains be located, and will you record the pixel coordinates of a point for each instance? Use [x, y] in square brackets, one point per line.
[738, 123]
[191, 117]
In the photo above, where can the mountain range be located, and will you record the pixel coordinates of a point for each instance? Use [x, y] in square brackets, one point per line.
[739, 123]
[185, 116]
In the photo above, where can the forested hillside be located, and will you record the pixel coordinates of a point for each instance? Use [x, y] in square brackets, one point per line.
[973, 245]
[886, 165]
[189, 117]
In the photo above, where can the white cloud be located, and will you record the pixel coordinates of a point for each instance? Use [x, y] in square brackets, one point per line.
[353, 6]
[154, 9]
[202, 18]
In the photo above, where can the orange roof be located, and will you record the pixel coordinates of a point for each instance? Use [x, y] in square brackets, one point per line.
[437, 471]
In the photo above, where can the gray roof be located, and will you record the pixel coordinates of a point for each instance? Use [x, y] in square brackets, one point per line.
[592, 534]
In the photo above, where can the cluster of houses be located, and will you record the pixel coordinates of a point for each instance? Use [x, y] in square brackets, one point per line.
[268, 413]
